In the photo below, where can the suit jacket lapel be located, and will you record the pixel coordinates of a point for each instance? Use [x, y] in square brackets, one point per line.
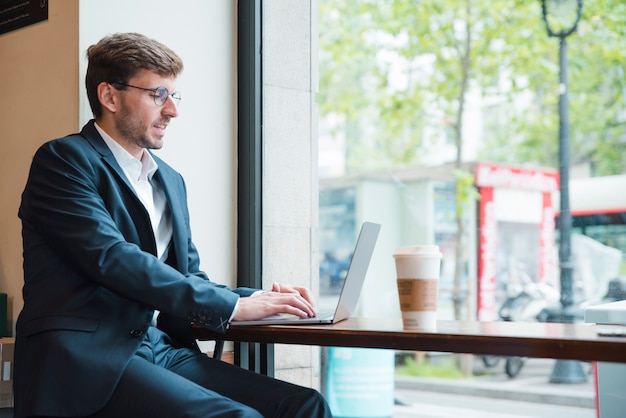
[91, 134]
[93, 137]
[174, 201]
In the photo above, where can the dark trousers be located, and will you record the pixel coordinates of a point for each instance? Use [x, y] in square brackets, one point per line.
[165, 382]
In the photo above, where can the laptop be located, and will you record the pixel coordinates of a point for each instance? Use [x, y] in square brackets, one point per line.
[609, 313]
[349, 292]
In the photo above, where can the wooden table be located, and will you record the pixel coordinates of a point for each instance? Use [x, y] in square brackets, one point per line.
[532, 339]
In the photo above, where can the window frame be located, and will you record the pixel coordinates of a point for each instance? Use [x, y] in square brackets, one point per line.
[252, 356]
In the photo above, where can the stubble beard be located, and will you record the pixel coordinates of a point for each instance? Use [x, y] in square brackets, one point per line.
[134, 131]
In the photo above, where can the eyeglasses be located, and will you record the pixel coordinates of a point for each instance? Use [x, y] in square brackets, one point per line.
[159, 94]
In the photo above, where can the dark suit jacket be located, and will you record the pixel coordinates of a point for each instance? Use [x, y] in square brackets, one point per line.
[92, 280]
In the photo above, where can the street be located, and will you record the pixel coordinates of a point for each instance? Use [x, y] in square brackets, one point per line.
[529, 395]
[424, 404]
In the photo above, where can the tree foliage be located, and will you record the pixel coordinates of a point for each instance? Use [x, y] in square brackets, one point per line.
[405, 78]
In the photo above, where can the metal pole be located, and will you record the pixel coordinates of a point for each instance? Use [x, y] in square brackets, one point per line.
[565, 371]
[565, 218]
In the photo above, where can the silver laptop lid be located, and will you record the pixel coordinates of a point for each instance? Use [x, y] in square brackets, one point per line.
[357, 270]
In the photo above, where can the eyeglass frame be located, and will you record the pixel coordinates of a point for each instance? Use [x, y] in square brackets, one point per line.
[175, 95]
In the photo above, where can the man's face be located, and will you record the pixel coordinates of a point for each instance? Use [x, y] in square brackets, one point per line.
[140, 122]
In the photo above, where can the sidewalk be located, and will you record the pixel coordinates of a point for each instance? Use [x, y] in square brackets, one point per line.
[530, 385]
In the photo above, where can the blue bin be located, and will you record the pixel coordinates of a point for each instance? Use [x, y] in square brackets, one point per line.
[360, 382]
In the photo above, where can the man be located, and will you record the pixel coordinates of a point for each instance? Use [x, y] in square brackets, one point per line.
[111, 275]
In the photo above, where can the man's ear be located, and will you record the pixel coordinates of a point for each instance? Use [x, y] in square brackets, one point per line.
[108, 96]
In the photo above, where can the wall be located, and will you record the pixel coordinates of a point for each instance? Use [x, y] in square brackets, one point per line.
[38, 81]
[290, 189]
[42, 70]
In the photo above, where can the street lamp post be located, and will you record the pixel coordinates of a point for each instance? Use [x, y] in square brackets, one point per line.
[561, 19]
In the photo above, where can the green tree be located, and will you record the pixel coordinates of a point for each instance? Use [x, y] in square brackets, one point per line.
[398, 72]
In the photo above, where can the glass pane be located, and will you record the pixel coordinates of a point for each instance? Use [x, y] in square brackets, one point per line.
[462, 124]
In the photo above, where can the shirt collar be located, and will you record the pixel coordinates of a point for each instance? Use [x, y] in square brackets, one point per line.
[134, 169]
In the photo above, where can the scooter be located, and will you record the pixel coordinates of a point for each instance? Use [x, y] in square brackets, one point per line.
[524, 306]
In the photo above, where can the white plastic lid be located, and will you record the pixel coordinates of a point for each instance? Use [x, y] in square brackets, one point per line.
[419, 250]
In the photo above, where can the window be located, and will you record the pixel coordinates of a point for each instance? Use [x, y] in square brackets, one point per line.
[440, 120]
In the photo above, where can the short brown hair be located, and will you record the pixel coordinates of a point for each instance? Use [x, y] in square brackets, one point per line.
[118, 57]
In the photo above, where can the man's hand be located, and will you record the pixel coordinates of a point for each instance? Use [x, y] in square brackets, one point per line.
[281, 298]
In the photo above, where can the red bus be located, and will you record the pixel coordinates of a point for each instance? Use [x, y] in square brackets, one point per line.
[598, 208]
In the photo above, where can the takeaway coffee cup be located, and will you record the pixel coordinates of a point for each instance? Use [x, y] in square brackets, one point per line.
[417, 270]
